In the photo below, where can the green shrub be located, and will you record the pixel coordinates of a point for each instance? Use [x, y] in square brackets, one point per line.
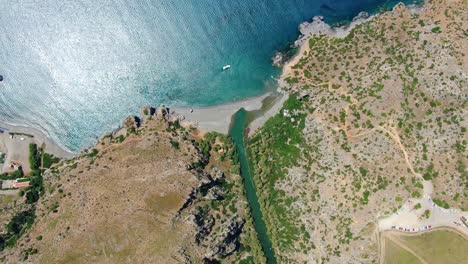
[436, 30]
[175, 144]
[48, 160]
[17, 226]
[93, 153]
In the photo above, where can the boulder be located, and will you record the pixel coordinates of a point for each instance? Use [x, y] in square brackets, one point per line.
[132, 122]
[361, 16]
[204, 223]
[215, 193]
[147, 112]
[230, 242]
[217, 174]
[162, 111]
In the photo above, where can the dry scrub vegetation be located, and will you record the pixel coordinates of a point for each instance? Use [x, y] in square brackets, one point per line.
[154, 192]
[371, 113]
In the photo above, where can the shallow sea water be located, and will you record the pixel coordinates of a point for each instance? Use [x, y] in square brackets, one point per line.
[76, 69]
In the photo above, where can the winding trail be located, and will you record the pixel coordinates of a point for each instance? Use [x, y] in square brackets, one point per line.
[407, 218]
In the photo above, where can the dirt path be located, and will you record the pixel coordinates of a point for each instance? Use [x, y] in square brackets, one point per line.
[442, 228]
[396, 137]
[407, 217]
[394, 235]
[392, 132]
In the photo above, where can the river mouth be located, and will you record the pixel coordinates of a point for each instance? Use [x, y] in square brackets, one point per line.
[237, 132]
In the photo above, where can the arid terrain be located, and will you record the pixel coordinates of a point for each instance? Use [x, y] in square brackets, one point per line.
[155, 193]
[377, 120]
[363, 160]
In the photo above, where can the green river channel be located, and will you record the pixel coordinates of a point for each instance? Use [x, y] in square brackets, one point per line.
[237, 132]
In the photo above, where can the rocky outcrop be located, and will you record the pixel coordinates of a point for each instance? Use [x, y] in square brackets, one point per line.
[226, 241]
[215, 193]
[162, 111]
[147, 112]
[204, 223]
[185, 257]
[132, 122]
[320, 27]
[281, 58]
[207, 188]
[229, 242]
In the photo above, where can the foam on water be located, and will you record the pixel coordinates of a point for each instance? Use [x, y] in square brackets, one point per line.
[75, 69]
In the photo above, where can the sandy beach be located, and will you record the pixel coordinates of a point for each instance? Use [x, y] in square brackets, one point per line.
[218, 118]
[215, 118]
[16, 147]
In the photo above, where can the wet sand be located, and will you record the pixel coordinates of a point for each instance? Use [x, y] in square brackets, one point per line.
[16, 147]
[218, 118]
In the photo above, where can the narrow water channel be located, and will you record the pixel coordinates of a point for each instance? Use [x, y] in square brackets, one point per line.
[237, 132]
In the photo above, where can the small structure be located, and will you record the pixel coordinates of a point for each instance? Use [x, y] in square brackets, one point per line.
[15, 166]
[15, 184]
[21, 183]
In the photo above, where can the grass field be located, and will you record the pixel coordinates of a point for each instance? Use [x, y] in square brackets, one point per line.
[394, 254]
[440, 246]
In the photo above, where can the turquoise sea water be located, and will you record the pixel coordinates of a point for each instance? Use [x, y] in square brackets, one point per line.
[76, 69]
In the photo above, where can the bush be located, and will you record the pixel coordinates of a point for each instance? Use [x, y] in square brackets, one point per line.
[12, 176]
[17, 226]
[120, 139]
[93, 153]
[34, 157]
[175, 144]
[48, 160]
[441, 203]
[436, 30]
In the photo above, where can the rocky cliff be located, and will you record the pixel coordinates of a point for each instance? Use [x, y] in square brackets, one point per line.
[154, 191]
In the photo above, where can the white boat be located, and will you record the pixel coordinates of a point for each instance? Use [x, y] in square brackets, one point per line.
[226, 67]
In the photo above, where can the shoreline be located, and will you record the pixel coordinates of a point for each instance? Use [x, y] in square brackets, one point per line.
[317, 26]
[14, 147]
[218, 117]
[39, 137]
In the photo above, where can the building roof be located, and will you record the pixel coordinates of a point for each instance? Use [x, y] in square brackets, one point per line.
[17, 184]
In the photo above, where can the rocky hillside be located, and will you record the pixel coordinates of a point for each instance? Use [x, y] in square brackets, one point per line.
[372, 115]
[155, 191]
